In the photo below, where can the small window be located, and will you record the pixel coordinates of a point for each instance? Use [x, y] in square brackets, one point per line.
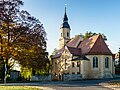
[67, 34]
[78, 64]
[73, 73]
[106, 62]
[55, 66]
[73, 64]
[78, 72]
[65, 63]
[95, 62]
[61, 34]
[67, 73]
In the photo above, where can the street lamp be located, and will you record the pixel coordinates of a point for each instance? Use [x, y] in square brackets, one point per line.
[5, 72]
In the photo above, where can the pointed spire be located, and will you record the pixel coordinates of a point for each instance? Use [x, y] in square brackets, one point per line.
[65, 19]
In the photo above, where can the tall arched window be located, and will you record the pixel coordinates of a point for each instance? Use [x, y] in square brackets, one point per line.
[95, 62]
[106, 62]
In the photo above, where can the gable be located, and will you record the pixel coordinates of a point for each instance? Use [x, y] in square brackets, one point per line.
[94, 45]
[66, 53]
[100, 47]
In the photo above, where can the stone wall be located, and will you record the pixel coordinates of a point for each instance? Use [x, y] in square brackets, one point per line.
[100, 72]
[14, 75]
[42, 78]
[68, 77]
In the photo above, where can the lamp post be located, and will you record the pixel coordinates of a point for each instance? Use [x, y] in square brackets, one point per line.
[5, 73]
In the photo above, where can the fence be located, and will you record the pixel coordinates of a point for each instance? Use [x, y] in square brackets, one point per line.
[14, 75]
[68, 77]
[41, 78]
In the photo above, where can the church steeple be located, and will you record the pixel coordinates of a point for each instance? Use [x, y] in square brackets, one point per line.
[65, 18]
[65, 21]
[64, 31]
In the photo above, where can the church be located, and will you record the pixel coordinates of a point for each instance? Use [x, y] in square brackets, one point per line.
[79, 58]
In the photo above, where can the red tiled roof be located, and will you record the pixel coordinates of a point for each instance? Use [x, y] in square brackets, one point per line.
[59, 53]
[87, 44]
[95, 46]
[73, 42]
[100, 47]
[74, 51]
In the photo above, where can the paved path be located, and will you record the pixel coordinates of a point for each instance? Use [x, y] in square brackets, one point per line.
[81, 88]
[68, 85]
[60, 87]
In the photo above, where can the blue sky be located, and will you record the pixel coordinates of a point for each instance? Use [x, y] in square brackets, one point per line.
[100, 16]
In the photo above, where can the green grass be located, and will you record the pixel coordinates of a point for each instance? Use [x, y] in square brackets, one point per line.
[19, 88]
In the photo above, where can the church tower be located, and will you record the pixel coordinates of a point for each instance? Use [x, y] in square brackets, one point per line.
[64, 31]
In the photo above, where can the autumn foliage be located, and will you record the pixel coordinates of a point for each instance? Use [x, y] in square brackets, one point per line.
[22, 37]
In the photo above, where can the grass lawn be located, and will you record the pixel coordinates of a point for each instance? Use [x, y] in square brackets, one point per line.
[19, 88]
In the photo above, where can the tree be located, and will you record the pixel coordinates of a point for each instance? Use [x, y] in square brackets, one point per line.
[54, 51]
[90, 34]
[23, 37]
[2, 70]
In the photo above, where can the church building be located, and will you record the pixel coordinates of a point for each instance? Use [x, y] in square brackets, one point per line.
[79, 58]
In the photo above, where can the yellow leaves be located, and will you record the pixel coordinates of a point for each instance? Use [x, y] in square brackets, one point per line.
[2, 34]
[15, 54]
[26, 72]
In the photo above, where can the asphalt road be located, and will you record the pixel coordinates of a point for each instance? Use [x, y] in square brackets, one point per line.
[77, 85]
[69, 85]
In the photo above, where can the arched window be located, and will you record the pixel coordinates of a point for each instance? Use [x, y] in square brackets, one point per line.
[95, 62]
[106, 62]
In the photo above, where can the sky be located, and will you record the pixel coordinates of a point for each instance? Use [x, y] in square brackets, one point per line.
[99, 16]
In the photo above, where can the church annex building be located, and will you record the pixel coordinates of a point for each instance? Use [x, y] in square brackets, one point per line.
[81, 59]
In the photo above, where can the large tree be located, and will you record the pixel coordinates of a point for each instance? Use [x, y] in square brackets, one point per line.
[22, 37]
[90, 34]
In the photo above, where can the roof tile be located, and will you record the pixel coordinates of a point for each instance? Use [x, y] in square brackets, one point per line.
[94, 45]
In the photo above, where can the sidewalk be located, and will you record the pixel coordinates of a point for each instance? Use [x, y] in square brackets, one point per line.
[108, 85]
[114, 87]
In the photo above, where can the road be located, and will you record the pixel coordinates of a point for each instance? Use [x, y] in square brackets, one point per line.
[69, 85]
[77, 85]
